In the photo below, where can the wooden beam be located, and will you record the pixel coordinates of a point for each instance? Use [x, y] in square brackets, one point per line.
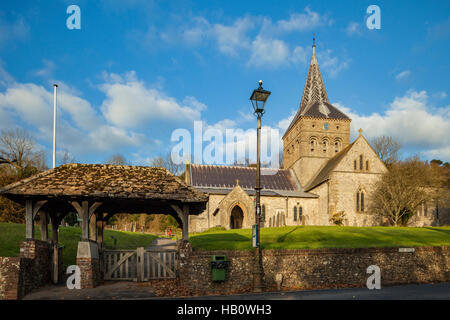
[184, 216]
[55, 226]
[83, 212]
[29, 221]
[94, 207]
[44, 225]
[93, 227]
[37, 206]
[185, 235]
[100, 228]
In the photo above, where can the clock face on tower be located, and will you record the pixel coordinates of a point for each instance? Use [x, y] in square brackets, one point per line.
[326, 126]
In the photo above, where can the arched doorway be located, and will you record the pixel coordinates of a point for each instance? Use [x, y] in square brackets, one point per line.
[236, 218]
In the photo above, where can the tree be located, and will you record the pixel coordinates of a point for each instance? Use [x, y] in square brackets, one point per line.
[17, 149]
[166, 162]
[117, 159]
[387, 149]
[18, 160]
[404, 187]
[67, 158]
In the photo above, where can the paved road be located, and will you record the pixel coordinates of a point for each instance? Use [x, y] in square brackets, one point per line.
[440, 291]
[163, 244]
[142, 291]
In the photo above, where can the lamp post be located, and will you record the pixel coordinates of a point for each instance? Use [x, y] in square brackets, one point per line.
[258, 99]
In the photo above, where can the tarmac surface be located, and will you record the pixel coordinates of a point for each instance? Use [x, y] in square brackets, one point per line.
[142, 291]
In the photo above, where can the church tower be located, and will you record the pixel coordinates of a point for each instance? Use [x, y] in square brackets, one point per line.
[318, 131]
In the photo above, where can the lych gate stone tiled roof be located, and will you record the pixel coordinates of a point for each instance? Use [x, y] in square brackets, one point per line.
[221, 179]
[106, 181]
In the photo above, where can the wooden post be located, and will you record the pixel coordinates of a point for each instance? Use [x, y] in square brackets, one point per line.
[140, 252]
[85, 212]
[184, 216]
[44, 225]
[29, 219]
[85, 221]
[93, 227]
[100, 228]
[185, 235]
[55, 226]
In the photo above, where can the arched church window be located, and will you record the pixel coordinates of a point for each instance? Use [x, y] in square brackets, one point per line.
[361, 162]
[325, 145]
[337, 145]
[357, 201]
[367, 165]
[312, 143]
[360, 205]
[362, 201]
[300, 214]
[354, 164]
[263, 212]
[295, 213]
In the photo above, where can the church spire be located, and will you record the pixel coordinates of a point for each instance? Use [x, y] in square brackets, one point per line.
[314, 44]
[314, 90]
[314, 101]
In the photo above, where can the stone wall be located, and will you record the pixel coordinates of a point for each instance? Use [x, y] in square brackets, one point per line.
[35, 265]
[88, 260]
[308, 269]
[332, 268]
[9, 277]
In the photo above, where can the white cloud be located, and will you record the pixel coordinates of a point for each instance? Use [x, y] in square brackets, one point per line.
[198, 32]
[403, 75]
[13, 31]
[46, 70]
[268, 52]
[80, 129]
[439, 153]
[299, 55]
[129, 104]
[257, 38]
[410, 120]
[332, 64]
[307, 20]
[353, 28]
[233, 37]
[440, 95]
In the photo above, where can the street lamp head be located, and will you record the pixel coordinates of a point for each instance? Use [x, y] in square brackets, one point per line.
[259, 98]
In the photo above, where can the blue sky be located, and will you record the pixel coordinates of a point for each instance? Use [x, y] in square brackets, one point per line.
[137, 70]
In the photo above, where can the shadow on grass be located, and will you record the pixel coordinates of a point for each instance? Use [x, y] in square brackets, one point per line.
[439, 230]
[220, 241]
[283, 237]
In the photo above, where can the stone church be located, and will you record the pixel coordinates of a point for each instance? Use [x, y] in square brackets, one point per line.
[325, 175]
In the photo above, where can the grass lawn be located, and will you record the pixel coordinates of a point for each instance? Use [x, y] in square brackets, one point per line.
[11, 234]
[311, 237]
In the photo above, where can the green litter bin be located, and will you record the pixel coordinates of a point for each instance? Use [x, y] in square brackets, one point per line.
[219, 266]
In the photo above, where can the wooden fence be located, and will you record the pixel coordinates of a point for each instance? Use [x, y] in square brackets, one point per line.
[140, 264]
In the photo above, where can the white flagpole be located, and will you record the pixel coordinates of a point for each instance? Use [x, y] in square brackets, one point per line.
[54, 124]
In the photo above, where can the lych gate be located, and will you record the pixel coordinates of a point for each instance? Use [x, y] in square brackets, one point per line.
[96, 193]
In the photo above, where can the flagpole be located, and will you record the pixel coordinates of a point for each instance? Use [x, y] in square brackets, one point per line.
[54, 124]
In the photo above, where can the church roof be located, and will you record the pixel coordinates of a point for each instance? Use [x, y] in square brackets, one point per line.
[315, 101]
[325, 172]
[221, 179]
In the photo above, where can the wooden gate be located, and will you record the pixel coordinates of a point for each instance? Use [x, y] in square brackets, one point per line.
[140, 264]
